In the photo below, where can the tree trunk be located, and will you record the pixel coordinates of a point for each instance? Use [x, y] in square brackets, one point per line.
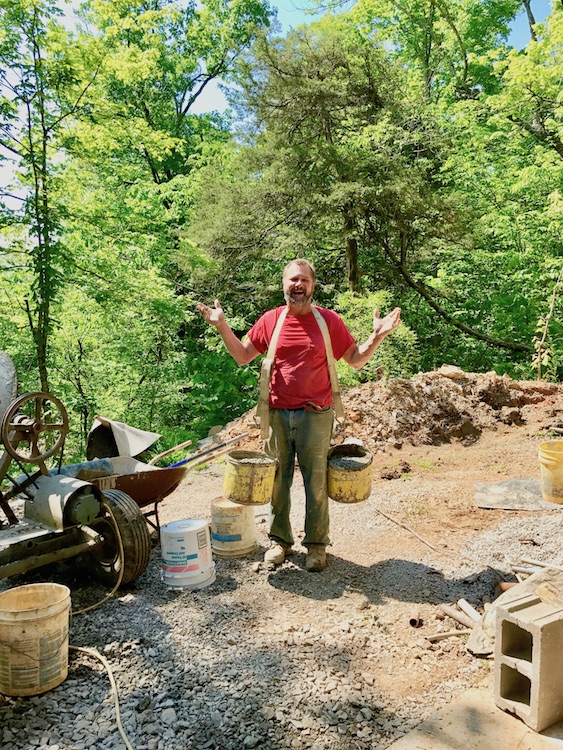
[352, 264]
[531, 19]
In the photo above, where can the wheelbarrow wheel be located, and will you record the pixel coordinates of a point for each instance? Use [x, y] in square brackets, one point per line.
[135, 538]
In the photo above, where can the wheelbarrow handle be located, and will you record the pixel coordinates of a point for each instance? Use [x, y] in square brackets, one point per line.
[169, 451]
[207, 451]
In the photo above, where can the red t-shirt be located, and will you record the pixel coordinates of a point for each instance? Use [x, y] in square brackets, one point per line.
[300, 372]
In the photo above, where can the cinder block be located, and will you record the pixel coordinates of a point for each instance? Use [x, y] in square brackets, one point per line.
[529, 659]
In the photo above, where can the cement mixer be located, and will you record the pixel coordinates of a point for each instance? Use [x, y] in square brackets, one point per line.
[62, 516]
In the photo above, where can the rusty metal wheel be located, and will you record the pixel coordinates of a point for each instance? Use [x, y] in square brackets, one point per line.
[37, 419]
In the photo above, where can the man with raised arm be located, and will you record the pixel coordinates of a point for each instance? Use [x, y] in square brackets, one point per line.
[300, 413]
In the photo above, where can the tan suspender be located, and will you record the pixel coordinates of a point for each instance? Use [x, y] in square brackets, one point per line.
[263, 407]
[336, 398]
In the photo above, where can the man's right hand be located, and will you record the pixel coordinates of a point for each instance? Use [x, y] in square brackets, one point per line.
[212, 315]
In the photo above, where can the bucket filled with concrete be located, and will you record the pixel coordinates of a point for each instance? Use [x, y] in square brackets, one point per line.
[249, 477]
[349, 473]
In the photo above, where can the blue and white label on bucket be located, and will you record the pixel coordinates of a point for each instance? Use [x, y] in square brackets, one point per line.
[185, 546]
[182, 565]
[171, 557]
[226, 537]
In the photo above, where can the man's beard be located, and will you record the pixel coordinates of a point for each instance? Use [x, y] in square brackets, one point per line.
[297, 301]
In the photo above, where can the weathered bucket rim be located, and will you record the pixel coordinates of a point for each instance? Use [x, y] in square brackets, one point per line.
[351, 450]
[555, 446]
[29, 589]
[241, 455]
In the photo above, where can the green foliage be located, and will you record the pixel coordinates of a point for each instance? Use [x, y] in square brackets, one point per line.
[37, 95]
[341, 166]
[217, 389]
[443, 43]
[123, 148]
[398, 356]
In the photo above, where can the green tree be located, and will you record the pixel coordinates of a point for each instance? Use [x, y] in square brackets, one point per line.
[348, 163]
[507, 166]
[309, 95]
[40, 90]
[139, 144]
[445, 44]
[134, 158]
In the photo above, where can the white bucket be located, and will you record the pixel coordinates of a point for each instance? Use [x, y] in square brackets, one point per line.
[233, 530]
[187, 562]
[33, 638]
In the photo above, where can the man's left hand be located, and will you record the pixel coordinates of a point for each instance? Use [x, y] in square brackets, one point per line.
[384, 326]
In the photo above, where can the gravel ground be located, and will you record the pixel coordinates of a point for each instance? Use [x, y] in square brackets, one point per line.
[281, 658]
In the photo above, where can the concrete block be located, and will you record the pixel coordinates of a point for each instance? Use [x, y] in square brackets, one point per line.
[529, 658]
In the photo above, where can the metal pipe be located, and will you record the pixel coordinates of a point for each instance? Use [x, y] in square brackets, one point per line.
[539, 564]
[36, 561]
[448, 634]
[506, 585]
[524, 570]
[415, 621]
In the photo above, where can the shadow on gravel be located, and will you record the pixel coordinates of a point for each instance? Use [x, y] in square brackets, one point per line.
[396, 579]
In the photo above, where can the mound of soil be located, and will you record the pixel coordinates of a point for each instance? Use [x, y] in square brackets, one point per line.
[434, 408]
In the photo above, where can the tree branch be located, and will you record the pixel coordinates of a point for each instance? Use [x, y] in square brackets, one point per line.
[537, 129]
[424, 292]
[531, 19]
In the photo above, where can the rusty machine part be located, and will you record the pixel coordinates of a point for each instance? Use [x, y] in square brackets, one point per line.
[63, 517]
[39, 420]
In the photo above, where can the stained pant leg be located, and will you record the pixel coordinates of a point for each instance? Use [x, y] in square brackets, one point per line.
[312, 442]
[279, 445]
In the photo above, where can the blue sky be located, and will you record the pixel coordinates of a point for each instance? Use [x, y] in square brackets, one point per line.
[291, 13]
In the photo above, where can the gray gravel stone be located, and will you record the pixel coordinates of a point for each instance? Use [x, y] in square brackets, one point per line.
[271, 659]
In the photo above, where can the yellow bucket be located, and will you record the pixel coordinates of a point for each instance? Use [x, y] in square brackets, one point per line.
[551, 470]
[249, 478]
[33, 638]
[349, 473]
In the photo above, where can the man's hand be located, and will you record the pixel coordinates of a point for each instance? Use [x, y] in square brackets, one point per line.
[212, 315]
[384, 326]
[357, 356]
[241, 352]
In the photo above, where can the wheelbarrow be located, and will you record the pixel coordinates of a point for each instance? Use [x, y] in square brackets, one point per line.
[146, 483]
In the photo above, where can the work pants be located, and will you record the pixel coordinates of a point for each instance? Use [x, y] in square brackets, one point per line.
[305, 434]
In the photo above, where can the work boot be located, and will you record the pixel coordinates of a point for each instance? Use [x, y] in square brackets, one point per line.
[276, 554]
[316, 558]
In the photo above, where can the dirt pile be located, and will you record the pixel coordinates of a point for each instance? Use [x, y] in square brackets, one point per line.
[432, 408]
